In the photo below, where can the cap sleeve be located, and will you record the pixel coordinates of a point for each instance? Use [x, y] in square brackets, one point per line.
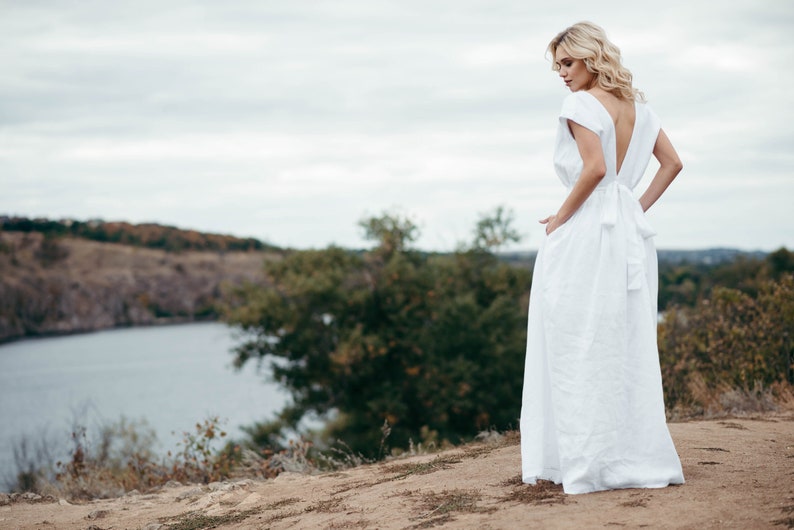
[578, 108]
[646, 131]
[654, 121]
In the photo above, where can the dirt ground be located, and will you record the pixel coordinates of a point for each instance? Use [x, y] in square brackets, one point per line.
[739, 474]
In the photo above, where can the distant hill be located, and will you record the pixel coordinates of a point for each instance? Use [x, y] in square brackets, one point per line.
[69, 276]
[148, 235]
[709, 256]
[53, 285]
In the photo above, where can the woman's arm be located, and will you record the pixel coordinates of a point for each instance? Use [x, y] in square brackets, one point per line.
[593, 170]
[670, 167]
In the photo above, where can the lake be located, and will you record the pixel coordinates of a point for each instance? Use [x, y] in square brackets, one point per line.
[171, 376]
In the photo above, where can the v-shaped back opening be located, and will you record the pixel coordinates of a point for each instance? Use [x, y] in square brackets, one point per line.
[618, 160]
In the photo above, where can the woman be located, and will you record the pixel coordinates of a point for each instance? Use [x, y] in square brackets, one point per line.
[593, 412]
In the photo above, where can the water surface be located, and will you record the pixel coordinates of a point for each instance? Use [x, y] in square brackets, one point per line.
[171, 376]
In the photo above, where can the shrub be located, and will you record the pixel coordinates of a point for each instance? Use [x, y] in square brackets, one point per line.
[428, 343]
[729, 341]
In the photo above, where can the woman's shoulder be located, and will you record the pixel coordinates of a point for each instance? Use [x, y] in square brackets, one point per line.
[578, 99]
[582, 108]
[645, 111]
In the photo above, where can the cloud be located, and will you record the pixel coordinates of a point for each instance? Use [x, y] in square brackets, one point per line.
[291, 120]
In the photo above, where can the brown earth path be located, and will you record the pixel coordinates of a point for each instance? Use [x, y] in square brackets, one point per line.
[739, 472]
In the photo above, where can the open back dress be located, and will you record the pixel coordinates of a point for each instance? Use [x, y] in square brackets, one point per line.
[592, 415]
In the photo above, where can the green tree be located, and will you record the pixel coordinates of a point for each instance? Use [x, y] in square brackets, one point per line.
[495, 230]
[431, 344]
[392, 232]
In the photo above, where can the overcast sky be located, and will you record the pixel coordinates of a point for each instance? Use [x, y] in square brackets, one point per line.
[291, 120]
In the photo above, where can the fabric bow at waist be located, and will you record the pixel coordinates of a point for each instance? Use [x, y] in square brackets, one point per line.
[618, 197]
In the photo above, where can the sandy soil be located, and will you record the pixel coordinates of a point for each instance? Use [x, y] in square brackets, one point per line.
[739, 472]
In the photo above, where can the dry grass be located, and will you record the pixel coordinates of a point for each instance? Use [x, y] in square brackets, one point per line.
[544, 492]
[277, 505]
[788, 521]
[512, 481]
[422, 468]
[357, 485]
[360, 523]
[282, 503]
[199, 521]
[438, 508]
[331, 505]
[489, 442]
[640, 502]
[281, 516]
[733, 425]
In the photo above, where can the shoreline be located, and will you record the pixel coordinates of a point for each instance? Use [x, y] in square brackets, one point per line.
[158, 322]
[738, 475]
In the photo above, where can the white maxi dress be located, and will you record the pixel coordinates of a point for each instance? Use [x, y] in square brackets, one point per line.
[592, 415]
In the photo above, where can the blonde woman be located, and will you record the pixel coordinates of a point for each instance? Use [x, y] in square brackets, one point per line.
[593, 414]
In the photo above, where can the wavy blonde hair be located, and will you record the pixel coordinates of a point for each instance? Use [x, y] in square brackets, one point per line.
[589, 42]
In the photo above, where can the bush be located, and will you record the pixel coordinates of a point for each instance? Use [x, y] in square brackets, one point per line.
[433, 345]
[729, 341]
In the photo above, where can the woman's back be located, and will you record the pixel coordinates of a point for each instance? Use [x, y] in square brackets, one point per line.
[623, 115]
[627, 133]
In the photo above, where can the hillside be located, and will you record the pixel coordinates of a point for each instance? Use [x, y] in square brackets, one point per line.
[149, 235]
[738, 475]
[65, 284]
[65, 276]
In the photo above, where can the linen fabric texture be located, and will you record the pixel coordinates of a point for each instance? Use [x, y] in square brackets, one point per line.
[592, 415]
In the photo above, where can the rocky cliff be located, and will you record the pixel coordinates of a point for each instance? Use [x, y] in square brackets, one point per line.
[64, 285]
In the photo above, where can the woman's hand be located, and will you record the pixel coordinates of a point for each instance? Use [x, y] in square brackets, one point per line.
[551, 224]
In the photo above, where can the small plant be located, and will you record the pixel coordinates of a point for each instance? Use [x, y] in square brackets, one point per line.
[199, 461]
[33, 458]
[340, 456]
[295, 458]
[121, 458]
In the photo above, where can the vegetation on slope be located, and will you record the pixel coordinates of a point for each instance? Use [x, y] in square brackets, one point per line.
[148, 235]
[64, 285]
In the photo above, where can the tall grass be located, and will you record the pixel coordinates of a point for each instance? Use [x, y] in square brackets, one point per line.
[119, 457]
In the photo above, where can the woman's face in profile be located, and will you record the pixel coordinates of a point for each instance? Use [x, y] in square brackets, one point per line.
[572, 71]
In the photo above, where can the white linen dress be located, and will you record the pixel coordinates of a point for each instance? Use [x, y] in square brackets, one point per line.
[592, 413]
